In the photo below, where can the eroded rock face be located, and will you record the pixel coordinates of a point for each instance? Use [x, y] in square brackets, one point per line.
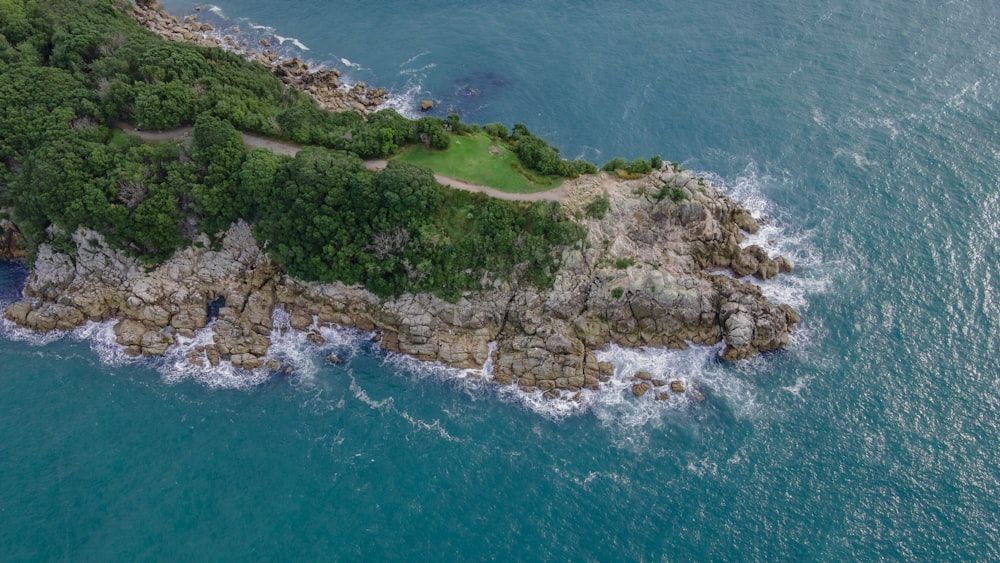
[649, 276]
[11, 242]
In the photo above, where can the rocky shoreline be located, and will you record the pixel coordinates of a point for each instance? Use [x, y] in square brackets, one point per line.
[653, 272]
[321, 83]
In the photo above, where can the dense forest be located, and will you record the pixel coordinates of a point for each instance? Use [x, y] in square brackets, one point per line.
[70, 69]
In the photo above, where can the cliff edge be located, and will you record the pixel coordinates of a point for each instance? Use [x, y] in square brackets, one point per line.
[662, 267]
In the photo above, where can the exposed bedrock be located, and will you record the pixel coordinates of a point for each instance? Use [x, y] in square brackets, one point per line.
[653, 272]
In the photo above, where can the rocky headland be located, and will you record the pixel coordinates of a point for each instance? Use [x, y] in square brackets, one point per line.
[321, 83]
[654, 271]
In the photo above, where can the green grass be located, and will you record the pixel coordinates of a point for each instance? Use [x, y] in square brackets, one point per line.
[480, 160]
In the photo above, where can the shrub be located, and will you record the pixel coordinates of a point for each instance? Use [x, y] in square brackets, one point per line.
[617, 292]
[432, 133]
[536, 154]
[496, 130]
[639, 166]
[617, 163]
[599, 207]
[623, 263]
[676, 195]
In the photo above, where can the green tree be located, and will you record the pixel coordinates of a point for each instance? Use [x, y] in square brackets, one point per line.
[409, 194]
[432, 133]
[164, 106]
[218, 153]
[256, 182]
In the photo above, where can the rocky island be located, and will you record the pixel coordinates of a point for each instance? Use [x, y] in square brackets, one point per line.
[658, 259]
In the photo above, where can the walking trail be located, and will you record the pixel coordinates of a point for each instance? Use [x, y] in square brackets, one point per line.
[288, 149]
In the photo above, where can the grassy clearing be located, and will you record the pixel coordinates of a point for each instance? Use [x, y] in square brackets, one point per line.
[481, 161]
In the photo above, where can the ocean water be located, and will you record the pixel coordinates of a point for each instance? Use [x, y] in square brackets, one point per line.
[866, 131]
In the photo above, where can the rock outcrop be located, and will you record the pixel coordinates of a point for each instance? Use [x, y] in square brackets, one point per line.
[655, 271]
[321, 83]
[12, 245]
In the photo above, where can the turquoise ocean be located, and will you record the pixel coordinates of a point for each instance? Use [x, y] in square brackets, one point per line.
[866, 131]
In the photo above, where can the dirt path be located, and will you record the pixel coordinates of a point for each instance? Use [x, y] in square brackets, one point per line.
[288, 149]
[555, 194]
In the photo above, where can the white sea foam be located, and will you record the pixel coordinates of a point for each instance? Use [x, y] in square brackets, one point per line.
[417, 71]
[818, 117]
[388, 406]
[801, 383]
[704, 377]
[346, 62]
[11, 331]
[811, 275]
[175, 367]
[102, 341]
[293, 350]
[414, 58]
[405, 100]
[216, 10]
[298, 44]
[859, 160]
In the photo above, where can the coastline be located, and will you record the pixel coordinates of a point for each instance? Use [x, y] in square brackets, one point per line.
[647, 275]
[322, 83]
[653, 271]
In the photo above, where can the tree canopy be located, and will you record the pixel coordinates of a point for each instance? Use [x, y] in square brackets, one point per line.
[70, 69]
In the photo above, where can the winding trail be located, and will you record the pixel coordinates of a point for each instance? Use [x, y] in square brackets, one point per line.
[289, 149]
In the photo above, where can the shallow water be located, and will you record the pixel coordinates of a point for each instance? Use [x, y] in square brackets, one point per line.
[865, 131]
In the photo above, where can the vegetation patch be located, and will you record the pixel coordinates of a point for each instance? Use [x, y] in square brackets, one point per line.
[70, 70]
[623, 263]
[480, 159]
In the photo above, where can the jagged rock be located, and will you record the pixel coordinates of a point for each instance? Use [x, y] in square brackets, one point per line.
[212, 354]
[542, 339]
[196, 358]
[155, 343]
[677, 386]
[640, 389]
[643, 375]
[17, 313]
[128, 332]
[316, 338]
[12, 245]
[426, 105]
[334, 359]
[190, 319]
[47, 316]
